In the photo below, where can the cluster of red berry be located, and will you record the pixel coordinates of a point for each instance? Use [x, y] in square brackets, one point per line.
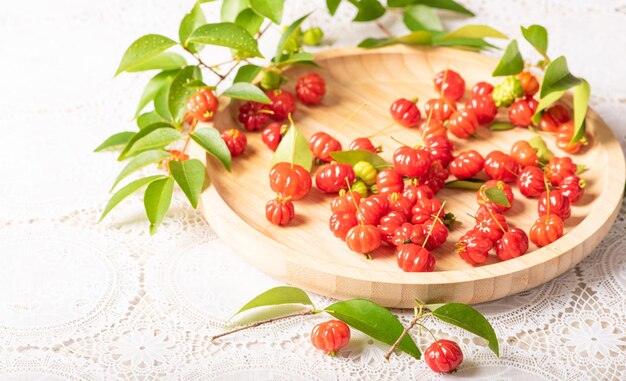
[442, 356]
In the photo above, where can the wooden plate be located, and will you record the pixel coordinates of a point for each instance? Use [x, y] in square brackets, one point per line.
[307, 255]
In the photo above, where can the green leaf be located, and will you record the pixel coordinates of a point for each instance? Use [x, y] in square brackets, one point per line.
[354, 156]
[247, 73]
[511, 62]
[142, 50]
[419, 37]
[247, 92]
[232, 8]
[163, 61]
[332, 6]
[153, 136]
[474, 31]
[469, 184]
[558, 77]
[580, 168]
[157, 201]
[161, 105]
[501, 126]
[126, 191]
[546, 102]
[272, 9]
[276, 296]
[375, 321]
[228, 35]
[581, 103]
[149, 118]
[368, 10]
[537, 36]
[290, 59]
[197, 84]
[294, 147]
[210, 140]
[115, 141]
[467, 318]
[288, 34]
[140, 161]
[152, 88]
[250, 21]
[449, 5]
[190, 176]
[192, 21]
[497, 196]
[543, 153]
[421, 17]
[179, 94]
[468, 43]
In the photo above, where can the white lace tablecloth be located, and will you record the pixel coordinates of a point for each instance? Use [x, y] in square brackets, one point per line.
[81, 301]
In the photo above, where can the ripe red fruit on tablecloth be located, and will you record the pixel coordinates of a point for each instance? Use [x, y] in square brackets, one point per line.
[564, 136]
[345, 202]
[467, 164]
[529, 83]
[559, 204]
[439, 109]
[310, 89]
[341, 222]
[438, 234]
[372, 209]
[440, 148]
[443, 356]
[414, 258]
[473, 247]
[411, 162]
[559, 168]
[405, 112]
[530, 181]
[484, 108]
[330, 336]
[482, 88]
[202, 106]
[523, 153]
[279, 211]
[572, 187]
[425, 208]
[272, 135]
[513, 244]
[333, 177]
[235, 140]
[409, 233]
[254, 115]
[362, 144]
[463, 124]
[389, 223]
[500, 166]
[432, 128]
[415, 192]
[322, 145]
[290, 180]
[363, 239]
[283, 104]
[493, 227]
[450, 84]
[522, 111]
[546, 230]
[481, 196]
[389, 181]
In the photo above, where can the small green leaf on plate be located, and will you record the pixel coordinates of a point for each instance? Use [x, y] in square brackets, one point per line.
[581, 102]
[226, 34]
[537, 36]
[155, 84]
[474, 31]
[501, 126]
[210, 140]
[375, 321]
[467, 318]
[192, 21]
[190, 176]
[332, 6]
[179, 94]
[543, 152]
[277, 296]
[469, 184]
[421, 17]
[140, 161]
[126, 191]
[511, 62]
[115, 141]
[247, 73]
[354, 156]
[142, 50]
[558, 77]
[157, 201]
[247, 92]
[497, 196]
[272, 9]
[294, 147]
[546, 102]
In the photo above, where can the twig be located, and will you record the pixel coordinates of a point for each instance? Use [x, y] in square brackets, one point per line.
[406, 330]
[261, 323]
[384, 29]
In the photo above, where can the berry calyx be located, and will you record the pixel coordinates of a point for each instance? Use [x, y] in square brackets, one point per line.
[443, 356]
[310, 89]
[283, 104]
[405, 112]
[279, 211]
[235, 140]
[449, 84]
[467, 164]
[333, 177]
[290, 180]
[202, 105]
[330, 336]
[572, 187]
[415, 258]
[463, 124]
[322, 145]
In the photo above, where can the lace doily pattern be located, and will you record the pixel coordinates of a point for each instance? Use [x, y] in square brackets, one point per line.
[87, 301]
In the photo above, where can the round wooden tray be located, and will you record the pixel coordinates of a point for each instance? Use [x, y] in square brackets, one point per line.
[307, 255]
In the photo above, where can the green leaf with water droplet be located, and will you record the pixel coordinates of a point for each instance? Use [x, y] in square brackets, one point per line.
[226, 34]
[247, 92]
[210, 140]
[179, 93]
[152, 88]
[192, 21]
[142, 50]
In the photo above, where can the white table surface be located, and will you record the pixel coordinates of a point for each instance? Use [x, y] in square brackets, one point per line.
[81, 301]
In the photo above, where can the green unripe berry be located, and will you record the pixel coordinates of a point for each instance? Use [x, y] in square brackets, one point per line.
[505, 93]
[272, 79]
[359, 187]
[366, 172]
[312, 37]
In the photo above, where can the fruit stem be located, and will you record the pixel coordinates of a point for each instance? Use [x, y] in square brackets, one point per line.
[496, 220]
[293, 143]
[430, 231]
[404, 333]
[384, 129]
[355, 206]
[345, 121]
[311, 312]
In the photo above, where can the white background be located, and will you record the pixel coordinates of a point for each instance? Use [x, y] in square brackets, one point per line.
[86, 301]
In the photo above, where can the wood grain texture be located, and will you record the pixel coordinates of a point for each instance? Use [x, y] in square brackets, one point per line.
[307, 255]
